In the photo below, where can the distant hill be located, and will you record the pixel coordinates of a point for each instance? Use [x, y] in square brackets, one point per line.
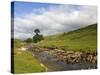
[83, 39]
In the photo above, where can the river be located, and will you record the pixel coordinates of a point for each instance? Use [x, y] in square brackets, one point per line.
[54, 64]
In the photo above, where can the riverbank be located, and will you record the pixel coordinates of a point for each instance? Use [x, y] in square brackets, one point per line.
[24, 62]
[82, 60]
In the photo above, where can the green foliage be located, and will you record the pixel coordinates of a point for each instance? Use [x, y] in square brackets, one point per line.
[29, 40]
[81, 39]
[37, 38]
[37, 31]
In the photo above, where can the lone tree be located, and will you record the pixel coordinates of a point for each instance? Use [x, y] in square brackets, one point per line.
[37, 31]
[37, 37]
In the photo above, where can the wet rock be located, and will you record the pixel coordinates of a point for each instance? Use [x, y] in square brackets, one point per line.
[69, 52]
[89, 58]
[94, 61]
[70, 57]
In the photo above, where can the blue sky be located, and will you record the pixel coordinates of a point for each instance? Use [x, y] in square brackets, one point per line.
[24, 8]
[50, 18]
[27, 7]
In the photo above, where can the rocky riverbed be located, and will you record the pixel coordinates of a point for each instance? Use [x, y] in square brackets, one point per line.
[58, 59]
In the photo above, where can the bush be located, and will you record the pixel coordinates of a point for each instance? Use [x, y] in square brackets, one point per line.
[37, 38]
[29, 40]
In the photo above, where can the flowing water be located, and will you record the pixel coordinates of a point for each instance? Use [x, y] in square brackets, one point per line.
[53, 64]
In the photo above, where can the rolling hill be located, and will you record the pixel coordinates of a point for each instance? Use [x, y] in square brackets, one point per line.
[83, 39]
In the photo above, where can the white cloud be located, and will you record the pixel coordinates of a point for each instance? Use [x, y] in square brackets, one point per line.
[54, 20]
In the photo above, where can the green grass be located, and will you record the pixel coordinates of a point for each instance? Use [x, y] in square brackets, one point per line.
[18, 43]
[81, 39]
[24, 62]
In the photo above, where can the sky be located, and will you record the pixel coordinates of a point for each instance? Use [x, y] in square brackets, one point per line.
[50, 18]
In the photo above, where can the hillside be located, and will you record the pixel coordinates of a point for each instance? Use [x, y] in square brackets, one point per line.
[83, 39]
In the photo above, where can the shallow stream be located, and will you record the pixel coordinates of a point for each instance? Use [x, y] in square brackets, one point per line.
[53, 64]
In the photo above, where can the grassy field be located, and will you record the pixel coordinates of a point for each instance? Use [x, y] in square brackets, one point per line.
[83, 39]
[24, 62]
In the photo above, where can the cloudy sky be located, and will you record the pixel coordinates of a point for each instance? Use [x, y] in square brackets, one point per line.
[50, 18]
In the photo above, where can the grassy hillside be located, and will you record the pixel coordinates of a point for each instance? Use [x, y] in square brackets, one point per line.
[84, 39]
